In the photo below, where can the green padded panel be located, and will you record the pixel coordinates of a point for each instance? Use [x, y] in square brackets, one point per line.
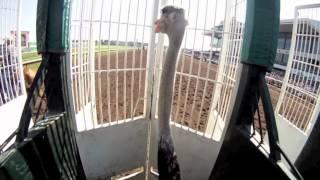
[13, 166]
[261, 33]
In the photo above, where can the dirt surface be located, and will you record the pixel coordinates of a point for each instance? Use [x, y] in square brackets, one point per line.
[193, 91]
[121, 95]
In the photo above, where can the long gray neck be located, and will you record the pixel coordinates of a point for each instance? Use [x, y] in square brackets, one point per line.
[167, 83]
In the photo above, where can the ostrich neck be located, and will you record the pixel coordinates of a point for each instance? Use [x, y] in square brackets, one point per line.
[167, 83]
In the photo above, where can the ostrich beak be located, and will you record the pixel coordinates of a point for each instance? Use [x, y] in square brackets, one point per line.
[157, 27]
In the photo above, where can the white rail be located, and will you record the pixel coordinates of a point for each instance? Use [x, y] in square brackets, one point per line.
[299, 99]
[109, 60]
[11, 76]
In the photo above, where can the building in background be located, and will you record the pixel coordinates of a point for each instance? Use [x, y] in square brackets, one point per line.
[24, 38]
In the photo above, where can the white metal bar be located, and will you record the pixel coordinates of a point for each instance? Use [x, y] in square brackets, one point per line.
[182, 61]
[141, 57]
[307, 116]
[308, 6]
[125, 66]
[117, 65]
[158, 69]
[305, 83]
[150, 62]
[80, 79]
[190, 72]
[91, 67]
[133, 63]
[99, 65]
[297, 77]
[198, 73]
[294, 62]
[108, 66]
[211, 125]
[289, 65]
[207, 74]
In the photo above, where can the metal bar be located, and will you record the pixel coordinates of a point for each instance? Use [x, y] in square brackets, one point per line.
[80, 79]
[150, 63]
[308, 6]
[289, 65]
[108, 67]
[181, 69]
[91, 67]
[297, 77]
[207, 74]
[198, 73]
[125, 66]
[133, 62]
[99, 65]
[190, 71]
[301, 79]
[158, 69]
[212, 122]
[141, 56]
[305, 78]
[117, 66]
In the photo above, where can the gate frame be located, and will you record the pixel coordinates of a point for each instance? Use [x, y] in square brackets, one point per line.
[282, 121]
[20, 99]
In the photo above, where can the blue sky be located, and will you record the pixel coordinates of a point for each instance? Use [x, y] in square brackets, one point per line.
[28, 18]
[29, 13]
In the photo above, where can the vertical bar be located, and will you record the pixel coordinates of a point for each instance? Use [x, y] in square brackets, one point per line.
[80, 79]
[210, 128]
[69, 77]
[117, 66]
[182, 69]
[199, 70]
[6, 61]
[150, 63]
[108, 65]
[91, 66]
[190, 71]
[141, 57]
[297, 78]
[207, 73]
[99, 65]
[149, 80]
[308, 67]
[133, 62]
[157, 70]
[289, 65]
[125, 66]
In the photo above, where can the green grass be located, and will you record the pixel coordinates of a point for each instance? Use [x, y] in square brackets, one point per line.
[33, 55]
[29, 56]
[34, 66]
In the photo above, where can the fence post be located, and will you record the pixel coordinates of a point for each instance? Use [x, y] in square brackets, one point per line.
[149, 81]
[289, 65]
[18, 45]
[217, 93]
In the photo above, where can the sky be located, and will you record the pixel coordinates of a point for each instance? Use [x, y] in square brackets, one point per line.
[193, 38]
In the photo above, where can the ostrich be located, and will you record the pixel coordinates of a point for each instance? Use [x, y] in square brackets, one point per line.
[172, 22]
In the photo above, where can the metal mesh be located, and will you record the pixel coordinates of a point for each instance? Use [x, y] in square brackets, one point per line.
[11, 81]
[299, 98]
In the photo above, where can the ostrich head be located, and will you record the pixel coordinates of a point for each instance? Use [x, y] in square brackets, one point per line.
[171, 22]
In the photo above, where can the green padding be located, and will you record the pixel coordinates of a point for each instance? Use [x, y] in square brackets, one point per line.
[53, 21]
[261, 33]
[14, 167]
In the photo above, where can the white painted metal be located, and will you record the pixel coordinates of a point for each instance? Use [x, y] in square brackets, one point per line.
[299, 93]
[229, 60]
[12, 91]
[105, 65]
[298, 105]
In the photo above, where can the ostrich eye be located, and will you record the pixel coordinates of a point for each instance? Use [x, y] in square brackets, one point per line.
[164, 11]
